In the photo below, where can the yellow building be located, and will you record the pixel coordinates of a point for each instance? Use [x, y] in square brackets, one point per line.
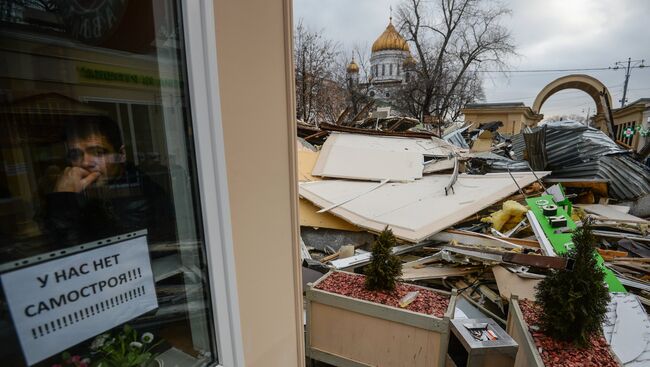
[634, 116]
[514, 116]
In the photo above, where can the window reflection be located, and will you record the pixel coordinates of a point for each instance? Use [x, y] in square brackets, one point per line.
[96, 141]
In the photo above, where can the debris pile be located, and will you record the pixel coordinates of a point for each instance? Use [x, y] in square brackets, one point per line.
[471, 213]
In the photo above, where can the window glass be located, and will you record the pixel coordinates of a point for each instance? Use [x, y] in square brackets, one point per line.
[102, 254]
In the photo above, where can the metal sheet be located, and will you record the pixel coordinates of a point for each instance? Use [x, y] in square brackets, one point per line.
[627, 330]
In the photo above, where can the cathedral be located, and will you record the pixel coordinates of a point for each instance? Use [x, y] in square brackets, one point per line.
[391, 66]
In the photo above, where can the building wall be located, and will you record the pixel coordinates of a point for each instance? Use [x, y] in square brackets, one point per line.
[259, 128]
[632, 116]
[513, 121]
[392, 61]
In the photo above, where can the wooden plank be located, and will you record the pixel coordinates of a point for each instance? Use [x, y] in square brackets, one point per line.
[511, 284]
[608, 255]
[430, 272]
[372, 341]
[527, 354]
[538, 261]
[376, 310]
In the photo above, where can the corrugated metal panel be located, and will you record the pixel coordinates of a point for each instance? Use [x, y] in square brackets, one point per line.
[628, 179]
[577, 151]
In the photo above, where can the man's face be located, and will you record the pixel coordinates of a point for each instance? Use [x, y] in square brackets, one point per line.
[95, 154]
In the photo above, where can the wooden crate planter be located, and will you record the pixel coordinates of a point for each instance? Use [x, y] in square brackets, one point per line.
[345, 331]
[516, 327]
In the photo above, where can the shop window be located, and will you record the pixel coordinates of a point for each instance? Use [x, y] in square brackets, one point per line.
[100, 213]
[383, 69]
[390, 69]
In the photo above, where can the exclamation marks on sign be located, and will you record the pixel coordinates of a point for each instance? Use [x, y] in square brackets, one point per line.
[102, 305]
[128, 273]
[40, 330]
[76, 317]
[65, 322]
[58, 323]
[139, 273]
[70, 318]
[34, 333]
[47, 329]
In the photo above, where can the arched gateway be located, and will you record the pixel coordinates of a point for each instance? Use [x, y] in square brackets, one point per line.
[590, 85]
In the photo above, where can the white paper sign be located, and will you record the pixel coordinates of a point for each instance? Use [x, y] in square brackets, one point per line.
[62, 302]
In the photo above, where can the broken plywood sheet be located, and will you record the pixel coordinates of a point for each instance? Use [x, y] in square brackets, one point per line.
[438, 165]
[375, 158]
[306, 162]
[309, 217]
[307, 212]
[510, 283]
[435, 272]
[413, 210]
[611, 212]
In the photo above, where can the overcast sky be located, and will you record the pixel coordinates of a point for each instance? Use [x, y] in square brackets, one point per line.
[549, 34]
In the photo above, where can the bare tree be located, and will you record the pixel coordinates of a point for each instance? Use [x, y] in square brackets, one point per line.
[453, 39]
[318, 95]
[356, 92]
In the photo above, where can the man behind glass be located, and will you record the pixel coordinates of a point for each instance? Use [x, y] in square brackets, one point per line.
[99, 194]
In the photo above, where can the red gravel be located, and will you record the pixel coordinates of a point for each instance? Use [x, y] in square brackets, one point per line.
[353, 285]
[564, 354]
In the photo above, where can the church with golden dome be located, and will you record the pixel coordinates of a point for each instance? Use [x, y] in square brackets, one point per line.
[391, 65]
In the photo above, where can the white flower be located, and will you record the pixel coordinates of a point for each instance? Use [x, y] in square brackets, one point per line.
[135, 345]
[99, 341]
[147, 338]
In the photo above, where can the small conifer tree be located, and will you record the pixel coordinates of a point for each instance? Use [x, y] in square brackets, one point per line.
[574, 302]
[383, 270]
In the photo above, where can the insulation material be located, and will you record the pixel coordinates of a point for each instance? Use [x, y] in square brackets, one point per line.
[375, 158]
[508, 217]
[413, 210]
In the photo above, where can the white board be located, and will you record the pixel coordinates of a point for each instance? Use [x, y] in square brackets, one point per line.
[414, 210]
[376, 158]
[60, 303]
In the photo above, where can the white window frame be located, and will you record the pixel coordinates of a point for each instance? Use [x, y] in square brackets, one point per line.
[203, 84]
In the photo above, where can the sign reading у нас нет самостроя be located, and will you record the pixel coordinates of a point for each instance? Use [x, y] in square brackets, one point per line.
[59, 303]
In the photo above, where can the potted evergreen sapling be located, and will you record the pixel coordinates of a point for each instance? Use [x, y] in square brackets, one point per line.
[384, 268]
[564, 324]
[355, 318]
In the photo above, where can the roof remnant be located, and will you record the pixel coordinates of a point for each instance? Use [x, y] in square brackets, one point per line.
[407, 207]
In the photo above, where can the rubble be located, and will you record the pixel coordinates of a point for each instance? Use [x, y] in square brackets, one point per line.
[468, 219]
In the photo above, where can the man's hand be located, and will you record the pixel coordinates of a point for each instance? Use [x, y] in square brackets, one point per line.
[75, 179]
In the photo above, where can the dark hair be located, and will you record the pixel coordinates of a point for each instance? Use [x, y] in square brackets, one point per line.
[81, 127]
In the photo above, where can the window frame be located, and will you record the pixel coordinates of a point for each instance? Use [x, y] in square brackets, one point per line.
[204, 99]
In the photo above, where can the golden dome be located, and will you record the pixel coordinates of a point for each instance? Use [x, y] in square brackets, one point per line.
[352, 67]
[390, 40]
[409, 61]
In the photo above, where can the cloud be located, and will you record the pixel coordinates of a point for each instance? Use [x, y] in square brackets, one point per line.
[550, 34]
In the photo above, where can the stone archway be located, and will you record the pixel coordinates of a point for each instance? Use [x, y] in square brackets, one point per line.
[590, 85]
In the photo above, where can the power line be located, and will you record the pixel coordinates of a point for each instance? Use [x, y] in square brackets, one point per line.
[637, 64]
[556, 70]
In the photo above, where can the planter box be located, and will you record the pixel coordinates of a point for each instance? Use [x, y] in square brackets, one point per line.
[528, 355]
[516, 327]
[345, 331]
